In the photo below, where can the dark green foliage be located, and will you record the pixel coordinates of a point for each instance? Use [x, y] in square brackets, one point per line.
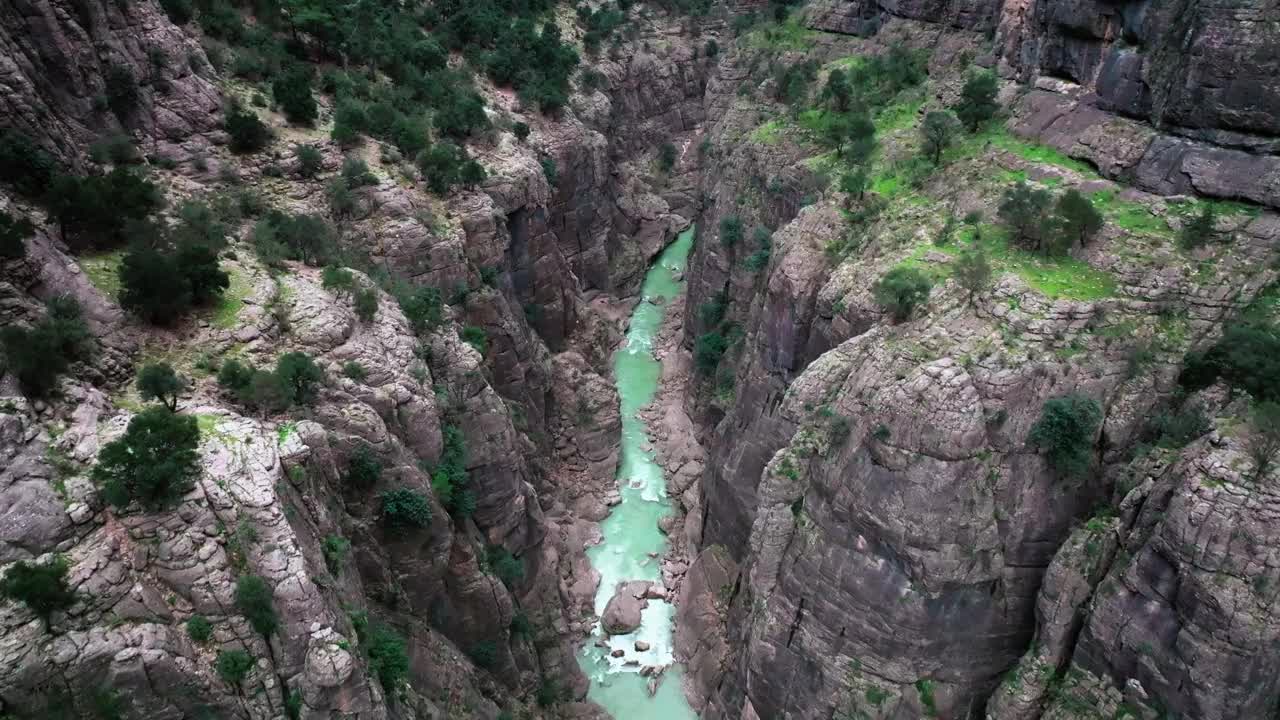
[106, 703]
[309, 160]
[837, 92]
[1198, 230]
[292, 91]
[180, 12]
[666, 157]
[121, 91]
[116, 149]
[153, 464]
[300, 373]
[1077, 219]
[366, 304]
[95, 209]
[1263, 442]
[449, 480]
[233, 666]
[791, 82]
[160, 284]
[38, 356]
[248, 133]
[446, 165]
[14, 232]
[852, 131]
[711, 49]
[1065, 433]
[901, 291]
[158, 381]
[1247, 357]
[937, 133]
[600, 24]
[199, 224]
[42, 587]
[422, 307]
[1024, 209]
[977, 102]
[355, 173]
[550, 171]
[730, 230]
[293, 705]
[484, 654]
[708, 351]
[548, 693]
[404, 509]
[335, 549]
[24, 164]
[1174, 430]
[972, 272]
[536, 63]
[855, 182]
[279, 237]
[354, 370]
[199, 629]
[336, 280]
[475, 337]
[521, 131]
[520, 624]
[880, 78]
[364, 470]
[508, 567]
[388, 659]
[349, 120]
[254, 600]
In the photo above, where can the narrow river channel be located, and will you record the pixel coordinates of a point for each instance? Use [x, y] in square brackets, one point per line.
[631, 536]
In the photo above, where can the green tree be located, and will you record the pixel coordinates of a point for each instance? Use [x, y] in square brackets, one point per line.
[1247, 357]
[298, 372]
[199, 224]
[1065, 433]
[254, 600]
[154, 463]
[1023, 209]
[233, 666]
[338, 281]
[366, 304]
[901, 291]
[666, 157]
[25, 165]
[1263, 442]
[205, 277]
[973, 272]
[422, 307]
[121, 90]
[855, 182]
[1078, 220]
[388, 660]
[730, 230]
[521, 131]
[937, 133]
[153, 286]
[42, 587]
[1198, 230]
[335, 549]
[99, 207]
[708, 351]
[310, 160]
[248, 134]
[837, 92]
[38, 356]
[977, 102]
[292, 91]
[13, 233]
[158, 381]
[349, 120]
[404, 509]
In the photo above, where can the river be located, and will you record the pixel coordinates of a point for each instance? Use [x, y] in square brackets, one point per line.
[630, 532]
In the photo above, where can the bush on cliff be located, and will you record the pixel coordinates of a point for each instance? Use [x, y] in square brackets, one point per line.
[1065, 433]
[42, 587]
[153, 464]
[901, 291]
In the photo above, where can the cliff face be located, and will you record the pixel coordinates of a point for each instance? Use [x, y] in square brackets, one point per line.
[879, 539]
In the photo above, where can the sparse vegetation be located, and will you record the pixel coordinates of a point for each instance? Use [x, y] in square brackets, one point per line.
[42, 587]
[254, 600]
[977, 102]
[158, 381]
[233, 666]
[199, 629]
[901, 291]
[404, 509]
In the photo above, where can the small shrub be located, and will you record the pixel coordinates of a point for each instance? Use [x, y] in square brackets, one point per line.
[901, 291]
[937, 133]
[24, 164]
[298, 372]
[475, 337]
[422, 307]
[199, 629]
[521, 131]
[366, 304]
[388, 659]
[730, 230]
[354, 370]
[1065, 433]
[42, 587]
[233, 666]
[708, 351]
[550, 171]
[364, 470]
[335, 549]
[179, 11]
[292, 91]
[37, 357]
[1198, 230]
[121, 91]
[508, 568]
[310, 160]
[1177, 429]
[339, 281]
[666, 158]
[977, 102]
[1078, 220]
[404, 509]
[484, 654]
[254, 600]
[14, 232]
[154, 463]
[248, 133]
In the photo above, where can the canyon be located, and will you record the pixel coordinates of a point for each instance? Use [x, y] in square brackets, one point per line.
[840, 513]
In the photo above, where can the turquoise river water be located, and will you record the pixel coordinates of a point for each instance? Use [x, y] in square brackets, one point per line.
[631, 533]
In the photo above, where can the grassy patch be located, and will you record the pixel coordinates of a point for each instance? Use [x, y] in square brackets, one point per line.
[898, 116]
[1062, 277]
[224, 316]
[1131, 216]
[787, 35]
[103, 270]
[769, 133]
[1033, 152]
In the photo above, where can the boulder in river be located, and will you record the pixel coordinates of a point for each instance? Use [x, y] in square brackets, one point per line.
[622, 614]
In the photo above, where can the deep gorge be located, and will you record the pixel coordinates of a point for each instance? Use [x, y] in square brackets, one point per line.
[442, 438]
